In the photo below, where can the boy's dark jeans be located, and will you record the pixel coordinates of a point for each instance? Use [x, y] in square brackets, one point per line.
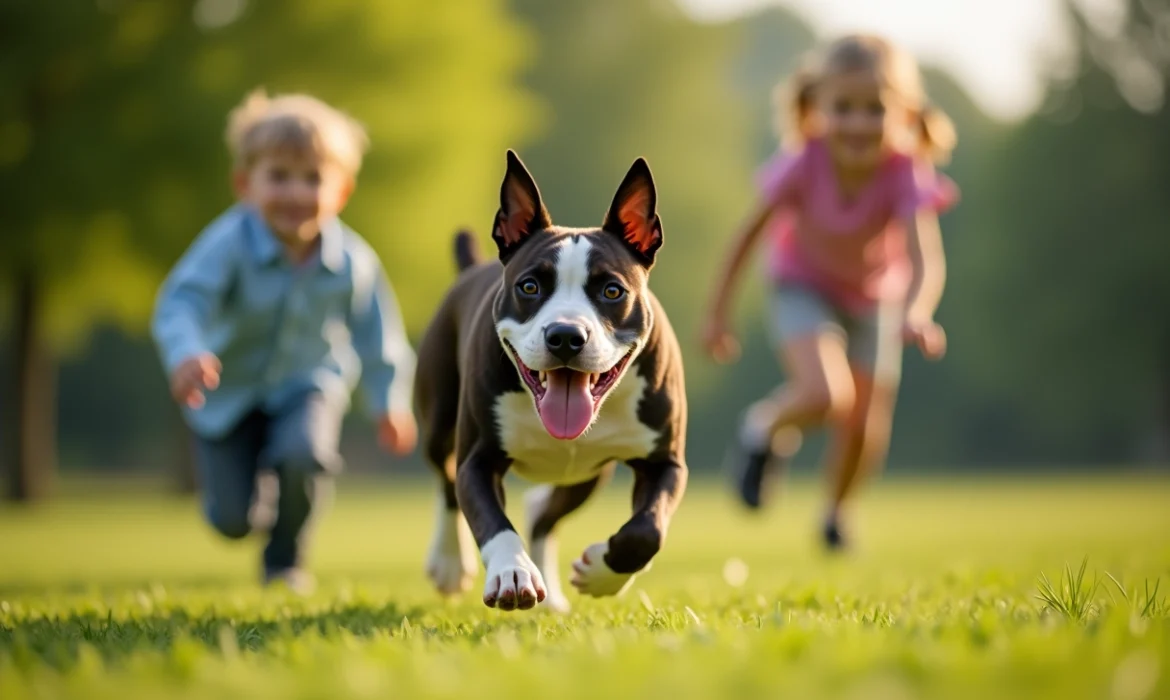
[299, 443]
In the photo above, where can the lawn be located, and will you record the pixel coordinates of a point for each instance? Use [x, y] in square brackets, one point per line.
[129, 596]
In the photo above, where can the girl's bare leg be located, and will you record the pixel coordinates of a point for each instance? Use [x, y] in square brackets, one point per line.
[819, 389]
[859, 446]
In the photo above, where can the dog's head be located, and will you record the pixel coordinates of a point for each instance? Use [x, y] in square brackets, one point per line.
[573, 311]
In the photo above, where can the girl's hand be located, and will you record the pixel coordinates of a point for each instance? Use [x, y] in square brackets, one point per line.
[719, 342]
[927, 335]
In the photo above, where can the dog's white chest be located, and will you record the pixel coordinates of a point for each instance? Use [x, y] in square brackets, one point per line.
[616, 435]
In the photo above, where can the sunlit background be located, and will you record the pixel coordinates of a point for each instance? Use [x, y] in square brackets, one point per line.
[112, 160]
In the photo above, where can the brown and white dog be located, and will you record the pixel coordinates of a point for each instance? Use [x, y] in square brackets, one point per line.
[555, 362]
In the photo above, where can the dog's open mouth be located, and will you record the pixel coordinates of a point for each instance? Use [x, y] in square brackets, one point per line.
[568, 400]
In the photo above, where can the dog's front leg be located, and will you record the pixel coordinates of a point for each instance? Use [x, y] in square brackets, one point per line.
[513, 581]
[608, 568]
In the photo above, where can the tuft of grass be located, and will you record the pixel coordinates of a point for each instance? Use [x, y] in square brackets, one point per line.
[1146, 603]
[1072, 597]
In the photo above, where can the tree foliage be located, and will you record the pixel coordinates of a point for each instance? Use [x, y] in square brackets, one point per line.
[111, 159]
[112, 115]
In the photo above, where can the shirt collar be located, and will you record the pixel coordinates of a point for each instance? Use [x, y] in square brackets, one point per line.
[267, 250]
[333, 246]
[262, 243]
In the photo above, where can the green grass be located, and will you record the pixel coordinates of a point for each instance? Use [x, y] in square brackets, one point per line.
[994, 588]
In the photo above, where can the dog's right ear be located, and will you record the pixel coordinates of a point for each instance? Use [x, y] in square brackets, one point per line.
[521, 212]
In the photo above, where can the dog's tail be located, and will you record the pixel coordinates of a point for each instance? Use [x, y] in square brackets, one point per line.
[466, 250]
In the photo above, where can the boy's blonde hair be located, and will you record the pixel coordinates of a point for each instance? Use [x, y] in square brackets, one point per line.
[895, 69]
[294, 122]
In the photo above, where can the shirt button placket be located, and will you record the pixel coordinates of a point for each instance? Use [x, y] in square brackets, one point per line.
[285, 335]
[293, 318]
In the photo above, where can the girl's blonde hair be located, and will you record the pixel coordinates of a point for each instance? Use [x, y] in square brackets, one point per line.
[296, 122]
[896, 70]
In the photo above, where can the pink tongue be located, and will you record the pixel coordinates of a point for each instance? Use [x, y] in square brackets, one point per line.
[567, 406]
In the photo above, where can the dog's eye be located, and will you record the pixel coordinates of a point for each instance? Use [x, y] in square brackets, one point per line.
[613, 292]
[528, 287]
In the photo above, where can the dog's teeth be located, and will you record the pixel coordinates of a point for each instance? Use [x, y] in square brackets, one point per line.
[543, 376]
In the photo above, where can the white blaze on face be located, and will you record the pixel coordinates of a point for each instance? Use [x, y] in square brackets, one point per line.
[568, 303]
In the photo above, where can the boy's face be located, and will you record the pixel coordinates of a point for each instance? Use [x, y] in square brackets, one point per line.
[294, 193]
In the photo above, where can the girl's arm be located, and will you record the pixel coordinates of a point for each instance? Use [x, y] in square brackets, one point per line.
[781, 182]
[745, 240]
[926, 287]
[929, 265]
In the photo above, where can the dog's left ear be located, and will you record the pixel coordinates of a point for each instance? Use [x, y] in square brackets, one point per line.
[634, 215]
[521, 212]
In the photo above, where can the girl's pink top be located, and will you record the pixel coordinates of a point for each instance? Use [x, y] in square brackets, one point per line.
[853, 251]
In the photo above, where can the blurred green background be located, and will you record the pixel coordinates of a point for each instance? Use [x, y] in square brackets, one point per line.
[112, 160]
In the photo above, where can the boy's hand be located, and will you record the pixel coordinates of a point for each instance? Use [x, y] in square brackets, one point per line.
[397, 432]
[192, 377]
[719, 342]
[927, 335]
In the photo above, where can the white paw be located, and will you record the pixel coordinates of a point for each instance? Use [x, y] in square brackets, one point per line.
[592, 577]
[513, 580]
[544, 555]
[544, 550]
[557, 603]
[451, 561]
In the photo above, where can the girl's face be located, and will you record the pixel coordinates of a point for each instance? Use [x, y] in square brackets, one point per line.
[859, 118]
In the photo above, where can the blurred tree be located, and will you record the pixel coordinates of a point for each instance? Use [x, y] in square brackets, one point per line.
[1054, 256]
[1075, 248]
[111, 157]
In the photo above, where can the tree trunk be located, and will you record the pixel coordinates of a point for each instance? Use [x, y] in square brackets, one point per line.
[1163, 418]
[32, 444]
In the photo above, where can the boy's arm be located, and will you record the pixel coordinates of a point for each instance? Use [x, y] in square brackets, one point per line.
[379, 337]
[190, 296]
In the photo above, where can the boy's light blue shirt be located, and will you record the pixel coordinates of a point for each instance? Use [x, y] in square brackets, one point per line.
[282, 329]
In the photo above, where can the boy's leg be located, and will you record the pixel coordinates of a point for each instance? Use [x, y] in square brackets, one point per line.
[302, 449]
[818, 387]
[227, 473]
[861, 442]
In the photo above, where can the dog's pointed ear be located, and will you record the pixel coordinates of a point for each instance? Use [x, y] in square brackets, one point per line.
[521, 212]
[634, 214]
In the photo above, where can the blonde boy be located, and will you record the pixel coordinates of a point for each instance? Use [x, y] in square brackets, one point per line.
[274, 316]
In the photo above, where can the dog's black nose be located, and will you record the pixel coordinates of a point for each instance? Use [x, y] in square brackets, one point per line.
[565, 340]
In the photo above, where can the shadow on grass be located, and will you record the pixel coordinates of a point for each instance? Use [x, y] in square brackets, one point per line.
[58, 640]
[116, 586]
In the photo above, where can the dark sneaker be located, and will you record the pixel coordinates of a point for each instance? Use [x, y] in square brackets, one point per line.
[834, 537]
[753, 470]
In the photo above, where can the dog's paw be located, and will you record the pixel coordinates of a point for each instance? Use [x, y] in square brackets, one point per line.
[514, 588]
[592, 577]
[557, 602]
[543, 550]
[513, 580]
[451, 572]
[451, 561]
[544, 555]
